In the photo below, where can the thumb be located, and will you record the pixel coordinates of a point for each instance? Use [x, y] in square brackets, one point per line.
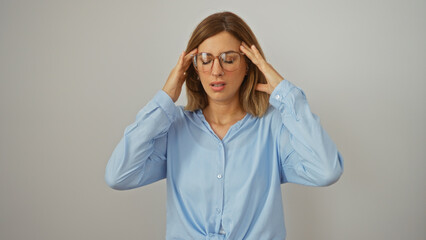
[262, 87]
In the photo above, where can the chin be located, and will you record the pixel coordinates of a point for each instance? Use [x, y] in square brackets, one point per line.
[222, 96]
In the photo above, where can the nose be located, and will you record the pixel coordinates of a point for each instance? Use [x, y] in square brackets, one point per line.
[217, 68]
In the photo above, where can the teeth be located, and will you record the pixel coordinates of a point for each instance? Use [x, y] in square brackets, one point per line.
[218, 85]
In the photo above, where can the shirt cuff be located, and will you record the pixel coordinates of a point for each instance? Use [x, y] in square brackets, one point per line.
[166, 104]
[280, 92]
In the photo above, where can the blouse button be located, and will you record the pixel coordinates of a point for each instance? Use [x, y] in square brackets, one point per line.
[219, 176]
[277, 97]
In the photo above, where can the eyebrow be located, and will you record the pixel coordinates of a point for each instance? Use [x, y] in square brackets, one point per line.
[221, 52]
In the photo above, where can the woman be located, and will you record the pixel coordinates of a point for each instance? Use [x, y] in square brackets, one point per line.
[244, 132]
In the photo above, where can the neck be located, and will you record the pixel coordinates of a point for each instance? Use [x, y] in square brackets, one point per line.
[223, 113]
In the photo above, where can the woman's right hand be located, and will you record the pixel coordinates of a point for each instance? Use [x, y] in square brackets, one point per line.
[173, 85]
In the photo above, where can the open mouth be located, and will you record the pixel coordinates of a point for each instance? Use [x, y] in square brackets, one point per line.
[217, 86]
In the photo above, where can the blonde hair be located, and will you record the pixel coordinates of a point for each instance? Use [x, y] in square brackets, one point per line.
[252, 101]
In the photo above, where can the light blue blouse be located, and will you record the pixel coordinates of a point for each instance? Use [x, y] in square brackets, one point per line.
[229, 188]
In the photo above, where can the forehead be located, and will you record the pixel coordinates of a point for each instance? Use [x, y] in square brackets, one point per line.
[221, 42]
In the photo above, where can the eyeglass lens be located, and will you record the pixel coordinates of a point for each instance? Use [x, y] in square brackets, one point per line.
[230, 61]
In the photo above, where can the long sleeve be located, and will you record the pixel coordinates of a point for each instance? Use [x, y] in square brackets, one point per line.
[307, 154]
[140, 156]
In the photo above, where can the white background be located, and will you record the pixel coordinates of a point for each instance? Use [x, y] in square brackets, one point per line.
[73, 75]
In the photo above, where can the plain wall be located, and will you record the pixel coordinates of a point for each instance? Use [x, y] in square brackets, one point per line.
[74, 74]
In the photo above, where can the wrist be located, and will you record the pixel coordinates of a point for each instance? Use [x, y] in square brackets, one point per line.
[275, 83]
[171, 92]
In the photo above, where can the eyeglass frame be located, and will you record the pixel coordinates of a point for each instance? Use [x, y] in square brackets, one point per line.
[214, 58]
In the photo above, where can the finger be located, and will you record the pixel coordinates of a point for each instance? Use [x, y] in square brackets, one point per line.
[246, 45]
[191, 54]
[249, 53]
[188, 58]
[262, 64]
[186, 62]
[177, 70]
[181, 58]
[257, 53]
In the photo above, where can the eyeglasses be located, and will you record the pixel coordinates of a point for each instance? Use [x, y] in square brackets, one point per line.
[229, 61]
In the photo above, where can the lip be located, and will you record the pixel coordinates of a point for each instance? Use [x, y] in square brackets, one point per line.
[218, 88]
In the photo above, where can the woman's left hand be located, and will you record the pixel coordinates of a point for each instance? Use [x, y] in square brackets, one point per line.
[273, 78]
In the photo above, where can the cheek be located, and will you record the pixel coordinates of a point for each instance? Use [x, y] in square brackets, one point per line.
[237, 77]
[204, 81]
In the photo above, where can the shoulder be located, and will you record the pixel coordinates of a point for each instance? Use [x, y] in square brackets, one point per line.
[185, 113]
[185, 117]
